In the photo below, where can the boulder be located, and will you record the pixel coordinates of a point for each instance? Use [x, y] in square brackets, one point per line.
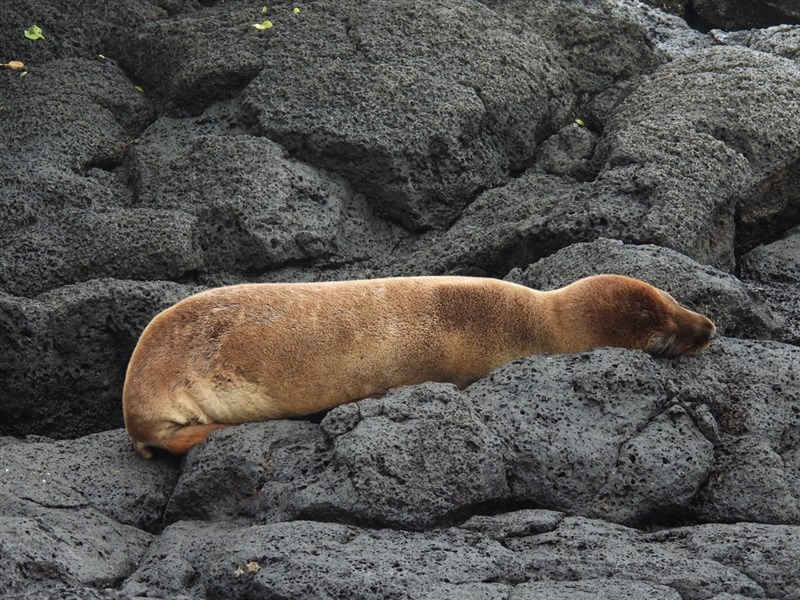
[643, 189]
[74, 514]
[470, 99]
[65, 353]
[154, 148]
[773, 268]
[747, 14]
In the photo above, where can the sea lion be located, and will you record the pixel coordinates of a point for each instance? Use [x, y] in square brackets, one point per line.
[255, 352]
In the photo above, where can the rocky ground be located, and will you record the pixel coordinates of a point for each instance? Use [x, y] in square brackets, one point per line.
[153, 148]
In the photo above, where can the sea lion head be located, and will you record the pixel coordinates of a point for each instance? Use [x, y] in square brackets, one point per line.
[630, 313]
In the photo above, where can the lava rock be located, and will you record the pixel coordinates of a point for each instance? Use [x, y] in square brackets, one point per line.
[747, 14]
[419, 106]
[64, 353]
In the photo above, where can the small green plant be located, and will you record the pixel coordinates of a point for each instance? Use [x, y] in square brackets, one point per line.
[263, 25]
[34, 32]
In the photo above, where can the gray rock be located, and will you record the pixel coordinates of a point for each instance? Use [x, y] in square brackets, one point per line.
[747, 14]
[64, 354]
[70, 593]
[426, 454]
[256, 208]
[666, 25]
[78, 245]
[778, 262]
[754, 477]
[660, 469]
[278, 211]
[410, 459]
[749, 153]
[467, 591]
[606, 46]
[517, 224]
[593, 589]
[643, 192]
[97, 471]
[767, 554]
[773, 270]
[325, 560]
[581, 549]
[74, 514]
[514, 524]
[53, 546]
[676, 7]
[73, 30]
[577, 428]
[64, 158]
[227, 477]
[190, 59]
[568, 153]
[579, 558]
[781, 40]
[470, 99]
[786, 6]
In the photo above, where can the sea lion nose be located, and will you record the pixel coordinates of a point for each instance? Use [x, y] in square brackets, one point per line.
[706, 331]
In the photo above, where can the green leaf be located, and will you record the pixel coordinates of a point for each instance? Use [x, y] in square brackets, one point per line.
[580, 123]
[264, 25]
[139, 89]
[296, 10]
[34, 32]
[263, 10]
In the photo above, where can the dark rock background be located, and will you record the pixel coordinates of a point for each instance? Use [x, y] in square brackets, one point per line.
[365, 139]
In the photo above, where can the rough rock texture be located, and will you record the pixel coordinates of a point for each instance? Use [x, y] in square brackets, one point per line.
[648, 160]
[155, 148]
[782, 40]
[775, 268]
[64, 353]
[746, 14]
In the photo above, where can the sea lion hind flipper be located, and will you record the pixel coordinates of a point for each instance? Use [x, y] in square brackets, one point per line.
[179, 439]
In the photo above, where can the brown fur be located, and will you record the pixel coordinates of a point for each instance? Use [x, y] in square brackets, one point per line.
[268, 351]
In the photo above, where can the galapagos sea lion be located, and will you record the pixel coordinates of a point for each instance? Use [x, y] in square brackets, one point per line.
[255, 352]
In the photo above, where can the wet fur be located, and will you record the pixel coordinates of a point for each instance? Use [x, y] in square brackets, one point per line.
[265, 351]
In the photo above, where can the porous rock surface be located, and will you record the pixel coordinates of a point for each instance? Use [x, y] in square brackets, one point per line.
[155, 148]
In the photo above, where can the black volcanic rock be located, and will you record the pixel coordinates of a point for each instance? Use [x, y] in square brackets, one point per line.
[420, 106]
[747, 14]
[64, 353]
[154, 148]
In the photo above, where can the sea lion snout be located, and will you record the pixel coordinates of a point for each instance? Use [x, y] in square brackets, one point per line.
[704, 332]
[694, 334]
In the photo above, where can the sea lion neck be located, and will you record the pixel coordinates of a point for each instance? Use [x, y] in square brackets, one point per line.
[563, 323]
[535, 321]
